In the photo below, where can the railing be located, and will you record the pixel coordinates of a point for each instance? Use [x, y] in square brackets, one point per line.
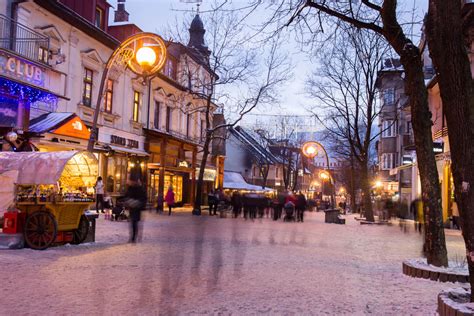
[22, 40]
[193, 139]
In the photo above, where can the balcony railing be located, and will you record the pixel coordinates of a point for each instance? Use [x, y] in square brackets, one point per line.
[23, 41]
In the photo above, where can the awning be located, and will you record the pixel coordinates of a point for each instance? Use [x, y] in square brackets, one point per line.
[127, 150]
[235, 181]
[66, 124]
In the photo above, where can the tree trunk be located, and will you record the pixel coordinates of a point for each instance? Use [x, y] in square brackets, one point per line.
[353, 191]
[365, 185]
[449, 54]
[200, 182]
[435, 244]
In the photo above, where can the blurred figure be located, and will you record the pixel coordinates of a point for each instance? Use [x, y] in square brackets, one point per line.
[236, 202]
[169, 198]
[159, 203]
[416, 209]
[99, 194]
[212, 201]
[135, 202]
[455, 215]
[300, 206]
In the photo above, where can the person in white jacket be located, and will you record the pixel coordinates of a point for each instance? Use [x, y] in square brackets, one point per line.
[99, 195]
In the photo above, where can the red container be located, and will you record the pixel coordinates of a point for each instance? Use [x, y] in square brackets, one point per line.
[13, 222]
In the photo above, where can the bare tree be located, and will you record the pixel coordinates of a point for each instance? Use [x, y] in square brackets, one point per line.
[239, 80]
[450, 41]
[345, 86]
[381, 17]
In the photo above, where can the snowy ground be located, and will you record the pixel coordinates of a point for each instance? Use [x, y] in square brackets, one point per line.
[208, 265]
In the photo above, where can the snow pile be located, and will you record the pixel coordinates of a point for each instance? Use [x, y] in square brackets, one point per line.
[458, 299]
[453, 267]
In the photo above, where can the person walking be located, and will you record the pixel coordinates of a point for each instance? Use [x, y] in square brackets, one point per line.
[236, 202]
[99, 195]
[455, 215]
[212, 200]
[169, 199]
[300, 206]
[135, 202]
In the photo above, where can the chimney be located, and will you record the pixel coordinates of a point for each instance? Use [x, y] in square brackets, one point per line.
[120, 14]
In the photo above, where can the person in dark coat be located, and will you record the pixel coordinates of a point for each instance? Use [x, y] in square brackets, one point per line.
[135, 202]
[212, 200]
[300, 206]
[236, 202]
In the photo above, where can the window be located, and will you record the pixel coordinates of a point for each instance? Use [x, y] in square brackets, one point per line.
[43, 55]
[188, 125]
[388, 161]
[389, 128]
[99, 17]
[88, 81]
[409, 128]
[157, 114]
[136, 105]
[170, 68]
[169, 118]
[109, 95]
[389, 96]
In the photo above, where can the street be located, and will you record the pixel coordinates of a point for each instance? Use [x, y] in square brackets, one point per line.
[209, 265]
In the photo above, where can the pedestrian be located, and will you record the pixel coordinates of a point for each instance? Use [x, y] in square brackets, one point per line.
[99, 195]
[159, 203]
[169, 198]
[135, 202]
[212, 202]
[236, 202]
[417, 211]
[301, 204]
[455, 214]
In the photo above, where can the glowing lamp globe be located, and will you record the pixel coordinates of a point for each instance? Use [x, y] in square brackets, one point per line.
[323, 175]
[146, 56]
[310, 149]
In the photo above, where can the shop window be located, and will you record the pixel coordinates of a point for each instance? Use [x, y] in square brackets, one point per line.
[136, 105]
[88, 81]
[109, 95]
[43, 55]
[157, 114]
[99, 17]
[116, 174]
[176, 182]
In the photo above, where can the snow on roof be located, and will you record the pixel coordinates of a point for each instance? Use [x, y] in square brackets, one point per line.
[49, 121]
[234, 180]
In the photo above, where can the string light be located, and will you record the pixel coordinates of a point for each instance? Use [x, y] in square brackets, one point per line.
[27, 93]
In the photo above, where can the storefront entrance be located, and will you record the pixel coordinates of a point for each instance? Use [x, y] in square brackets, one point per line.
[179, 181]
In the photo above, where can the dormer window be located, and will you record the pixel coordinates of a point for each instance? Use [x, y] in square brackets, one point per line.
[170, 69]
[43, 54]
[99, 17]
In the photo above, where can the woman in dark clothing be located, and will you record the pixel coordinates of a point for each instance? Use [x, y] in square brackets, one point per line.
[300, 206]
[135, 201]
[236, 202]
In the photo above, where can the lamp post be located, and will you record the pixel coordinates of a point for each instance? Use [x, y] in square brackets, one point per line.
[310, 150]
[142, 53]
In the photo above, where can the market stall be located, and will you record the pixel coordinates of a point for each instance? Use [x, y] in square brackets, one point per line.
[52, 190]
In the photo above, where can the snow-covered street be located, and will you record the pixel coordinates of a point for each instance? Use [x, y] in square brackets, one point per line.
[209, 265]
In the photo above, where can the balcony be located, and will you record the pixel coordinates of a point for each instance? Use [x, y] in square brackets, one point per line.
[23, 41]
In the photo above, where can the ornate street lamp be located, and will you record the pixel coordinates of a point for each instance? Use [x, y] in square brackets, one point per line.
[142, 53]
[310, 150]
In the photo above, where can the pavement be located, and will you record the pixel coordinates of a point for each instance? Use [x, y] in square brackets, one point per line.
[187, 265]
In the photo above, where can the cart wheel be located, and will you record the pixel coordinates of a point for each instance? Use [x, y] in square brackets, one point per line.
[80, 234]
[40, 230]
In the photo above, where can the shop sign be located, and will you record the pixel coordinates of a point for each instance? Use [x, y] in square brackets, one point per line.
[438, 148]
[209, 174]
[183, 163]
[17, 68]
[117, 140]
[74, 128]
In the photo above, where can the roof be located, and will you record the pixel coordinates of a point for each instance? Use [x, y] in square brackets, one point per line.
[49, 121]
[262, 154]
[234, 180]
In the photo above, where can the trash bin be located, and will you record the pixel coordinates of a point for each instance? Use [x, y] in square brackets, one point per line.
[91, 216]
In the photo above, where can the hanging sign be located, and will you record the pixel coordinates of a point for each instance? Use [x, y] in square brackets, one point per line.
[17, 68]
[74, 128]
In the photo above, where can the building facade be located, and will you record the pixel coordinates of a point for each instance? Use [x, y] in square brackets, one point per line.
[52, 57]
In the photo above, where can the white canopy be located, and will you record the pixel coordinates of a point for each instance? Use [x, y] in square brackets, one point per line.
[47, 167]
[235, 181]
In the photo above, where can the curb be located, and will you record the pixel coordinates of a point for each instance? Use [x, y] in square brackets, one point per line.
[449, 305]
[416, 272]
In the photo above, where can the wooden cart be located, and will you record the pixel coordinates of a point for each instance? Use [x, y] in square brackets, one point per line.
[52, 220]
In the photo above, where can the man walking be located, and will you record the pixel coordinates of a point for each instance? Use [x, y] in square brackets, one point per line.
[135, 201]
